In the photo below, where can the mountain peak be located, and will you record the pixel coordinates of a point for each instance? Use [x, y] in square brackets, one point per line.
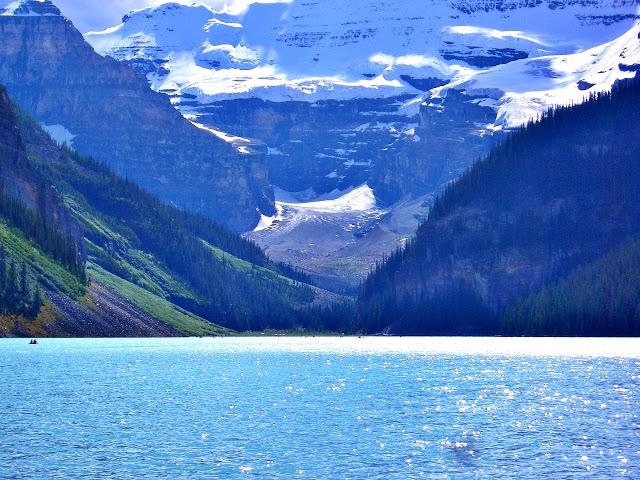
[31, 8]
[168, 10]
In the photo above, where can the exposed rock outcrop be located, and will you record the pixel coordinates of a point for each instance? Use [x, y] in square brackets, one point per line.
[21, 182]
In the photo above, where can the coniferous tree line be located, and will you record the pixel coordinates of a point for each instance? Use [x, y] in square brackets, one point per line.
[561, 192]
[270, 295]
[336, 318]
[601, 298]
[19, 293]
[35, 227]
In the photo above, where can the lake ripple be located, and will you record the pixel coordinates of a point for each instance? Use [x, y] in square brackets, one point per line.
[320, 408]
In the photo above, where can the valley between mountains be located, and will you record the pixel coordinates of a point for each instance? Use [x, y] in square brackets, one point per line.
[399, 96]
[436, 167]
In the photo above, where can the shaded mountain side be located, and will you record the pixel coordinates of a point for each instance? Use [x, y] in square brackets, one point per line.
[20, 182]
[152, 269]
[555, 195]
[601, 298]
[108, 111]
[43, 286]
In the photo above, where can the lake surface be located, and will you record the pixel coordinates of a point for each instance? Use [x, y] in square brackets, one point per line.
[320, 408]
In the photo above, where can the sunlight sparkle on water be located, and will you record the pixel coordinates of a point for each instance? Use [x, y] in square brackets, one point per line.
[321, 408]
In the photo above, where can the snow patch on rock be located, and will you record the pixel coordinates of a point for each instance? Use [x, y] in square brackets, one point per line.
[241, 144]
[31, 8]
[358, 199]
[60, 134]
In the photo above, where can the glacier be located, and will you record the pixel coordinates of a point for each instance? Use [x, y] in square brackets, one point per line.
[310, 51]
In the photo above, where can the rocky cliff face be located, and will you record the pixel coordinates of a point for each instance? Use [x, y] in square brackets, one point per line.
[21, 182]
[451, 134]
[321, 146]
[109, 112]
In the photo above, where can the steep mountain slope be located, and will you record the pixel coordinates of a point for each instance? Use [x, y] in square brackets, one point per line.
[104, 109]
[556, 195]
[523, 90]
[402, 96]
[42, 250]
[151, 269]
[600, 299]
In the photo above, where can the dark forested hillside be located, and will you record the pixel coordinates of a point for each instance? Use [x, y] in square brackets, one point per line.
[558, 194]
[19, 292]
[601, 298]
[179, 268]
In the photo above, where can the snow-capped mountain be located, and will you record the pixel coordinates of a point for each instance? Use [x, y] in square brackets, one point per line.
[32, 8]
[399, 96]
[524, 89]
[106, 110]
[335, 50]
[363, 68]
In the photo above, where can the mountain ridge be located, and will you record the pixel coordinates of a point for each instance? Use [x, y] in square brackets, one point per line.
[401, 97]
[112, 115]
[553, 197]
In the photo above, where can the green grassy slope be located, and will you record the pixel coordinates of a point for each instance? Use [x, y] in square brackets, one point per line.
[156, 305]
[179, 267]
[51, 274]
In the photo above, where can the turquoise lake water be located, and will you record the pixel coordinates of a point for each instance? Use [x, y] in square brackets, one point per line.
[320, 408]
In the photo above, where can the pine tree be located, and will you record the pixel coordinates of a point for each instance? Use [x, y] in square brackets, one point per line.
[12, 285]
[3, 273]
[36, 302]
[24, 286]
